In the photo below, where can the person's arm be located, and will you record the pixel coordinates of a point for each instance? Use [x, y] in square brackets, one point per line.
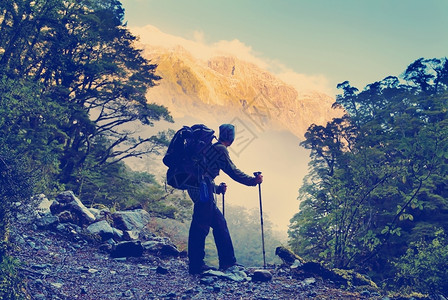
[230, 169]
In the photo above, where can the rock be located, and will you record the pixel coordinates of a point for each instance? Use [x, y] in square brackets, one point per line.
[101, 228]
[47, 221]
[106, 247]
[68, 201]
[309, 281]
[92, 271]
[131, 220]
[288, 257]
[41, 266]
[365, 293]
[43, 204]
[261, 275]
[297, 263]
[118, 234]
[130, 235]
[233, 274]
[161, 270]
[161, 248]
[57, 285]
[208, 280]
[169, 250]
[65, 217]
[127, 249]
[353, 278]
[100, 214]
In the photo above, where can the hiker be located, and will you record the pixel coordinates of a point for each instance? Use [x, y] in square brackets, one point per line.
[206, 214]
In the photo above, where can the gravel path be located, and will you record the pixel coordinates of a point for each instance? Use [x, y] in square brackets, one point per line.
[57, 267]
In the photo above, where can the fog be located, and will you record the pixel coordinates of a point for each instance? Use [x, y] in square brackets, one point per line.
[274, 152]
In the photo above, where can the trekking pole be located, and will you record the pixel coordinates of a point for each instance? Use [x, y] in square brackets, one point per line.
[261, 220]
[223, 213]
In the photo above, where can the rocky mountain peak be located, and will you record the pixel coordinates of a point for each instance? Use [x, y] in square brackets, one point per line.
[233, 87]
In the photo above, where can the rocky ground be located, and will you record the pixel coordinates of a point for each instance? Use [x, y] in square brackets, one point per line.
[59, 265]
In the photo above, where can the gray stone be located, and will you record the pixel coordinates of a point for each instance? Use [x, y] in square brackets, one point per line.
[208, 280]
[261, 275]
[118, 234]
[101, 228]
[233, 274]
[47, 221]
[127, 249]
[309, 281]
[43, 204]
[131, 220]
[161, 270]
[65, 217]
[214, 273]
[130, 235]
[297, 264]
[152, 246]
[68, 201]
[165, 248]
[169, 250]
[100, 214]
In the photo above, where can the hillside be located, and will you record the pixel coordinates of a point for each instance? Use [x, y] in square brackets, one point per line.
[61, 261]
[227, 87]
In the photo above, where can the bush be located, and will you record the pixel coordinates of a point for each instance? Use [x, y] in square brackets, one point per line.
[11, 284]
[424, 267]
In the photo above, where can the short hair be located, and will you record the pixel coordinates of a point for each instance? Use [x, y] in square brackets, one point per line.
[227, 133]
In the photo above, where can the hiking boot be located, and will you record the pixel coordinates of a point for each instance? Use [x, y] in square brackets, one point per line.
[199, 270]
[232, 267]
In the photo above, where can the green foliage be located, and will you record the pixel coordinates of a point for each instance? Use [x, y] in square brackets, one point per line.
[424, 266]
[119, 187]
[377, 176]
[72, 89]
[11, 285]
[79, 80]
[29, 127]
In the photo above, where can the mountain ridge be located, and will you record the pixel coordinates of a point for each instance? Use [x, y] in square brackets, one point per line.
[226, 86]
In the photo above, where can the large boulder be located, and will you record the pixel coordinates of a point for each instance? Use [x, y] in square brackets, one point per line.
[43, 204]
[161, 247]
[131, 220]
[288, 257]
[67, 201]
[101, 228]
[127, 249]
[261, 275]
[46, 221]
[100, 214]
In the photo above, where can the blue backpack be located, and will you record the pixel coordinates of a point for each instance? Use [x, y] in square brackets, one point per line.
[185, 156]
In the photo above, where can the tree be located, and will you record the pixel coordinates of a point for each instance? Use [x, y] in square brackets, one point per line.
[375, 183]
[85, 64]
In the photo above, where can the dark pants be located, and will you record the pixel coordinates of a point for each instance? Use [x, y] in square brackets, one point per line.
[206, 215]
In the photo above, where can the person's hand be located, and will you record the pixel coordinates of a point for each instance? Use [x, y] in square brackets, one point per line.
[259, 179]
[223, 187]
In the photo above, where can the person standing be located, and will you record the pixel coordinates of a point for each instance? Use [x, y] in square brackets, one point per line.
[206, 214]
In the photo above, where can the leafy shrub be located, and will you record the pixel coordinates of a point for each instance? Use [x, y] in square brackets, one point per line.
[424, 267]
[11, 284]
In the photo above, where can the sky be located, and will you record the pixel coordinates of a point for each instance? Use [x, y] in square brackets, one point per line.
[325, 40]
[312, 45]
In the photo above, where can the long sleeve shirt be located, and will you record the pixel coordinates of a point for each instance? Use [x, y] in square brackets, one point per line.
[217, 158]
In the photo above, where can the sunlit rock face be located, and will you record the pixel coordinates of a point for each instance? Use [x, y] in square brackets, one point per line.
[224, 87]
